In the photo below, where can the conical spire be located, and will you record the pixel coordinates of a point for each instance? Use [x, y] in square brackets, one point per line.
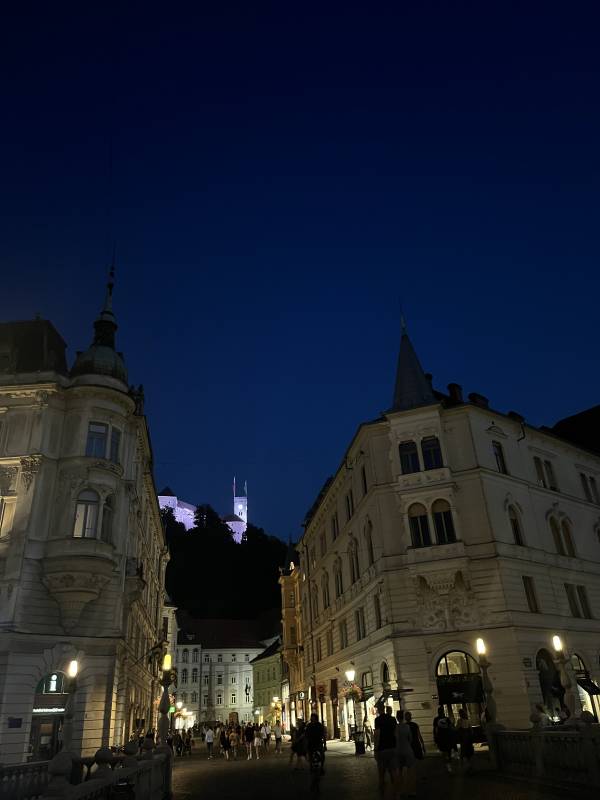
[412, 387]
[105, 326]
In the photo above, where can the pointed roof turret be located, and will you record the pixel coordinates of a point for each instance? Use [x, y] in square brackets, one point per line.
[412, 387]
[101, 358]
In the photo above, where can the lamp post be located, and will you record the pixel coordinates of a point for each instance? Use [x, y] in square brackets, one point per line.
[488, 689]
[168, 677]
[350, 675]
[72, 671]
[565, 679]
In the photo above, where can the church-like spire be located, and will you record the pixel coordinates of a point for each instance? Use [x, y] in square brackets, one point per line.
[412, 387]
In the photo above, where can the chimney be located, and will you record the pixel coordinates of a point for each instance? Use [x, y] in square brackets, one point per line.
[455, 392]
[479, 400]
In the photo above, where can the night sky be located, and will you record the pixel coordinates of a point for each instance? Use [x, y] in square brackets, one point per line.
[286, 176]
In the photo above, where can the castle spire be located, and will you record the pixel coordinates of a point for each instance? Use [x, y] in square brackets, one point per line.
[412, 387]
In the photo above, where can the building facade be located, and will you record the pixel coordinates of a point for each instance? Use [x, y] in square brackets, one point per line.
[295, 693]
[82, 549]
[267, 680]
[447, 522]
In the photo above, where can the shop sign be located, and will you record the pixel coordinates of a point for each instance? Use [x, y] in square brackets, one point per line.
[456, 689]
[300, 695]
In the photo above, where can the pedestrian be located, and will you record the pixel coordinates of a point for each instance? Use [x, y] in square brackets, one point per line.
[443, 735]
[268, 732]
[233, 743]
[248, 739]
[178, 743]
[257, 742]
[263, 735]
[385, 747]
[315, 739]
[406, 757]
[299, 746]
[418, 745]
[225, 746]
[277, 730]
[209, 737]
[465, 739]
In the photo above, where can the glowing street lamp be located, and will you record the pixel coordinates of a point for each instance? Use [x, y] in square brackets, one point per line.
[73, 669]
[569, 699]
[481, 649]
[557, 644]
[488, 689]
[179, 705]
[167, 662]
[350, 673]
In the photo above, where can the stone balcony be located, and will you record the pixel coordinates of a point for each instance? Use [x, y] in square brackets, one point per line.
[75, 573]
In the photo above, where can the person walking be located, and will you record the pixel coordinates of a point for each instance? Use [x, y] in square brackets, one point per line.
[465, 739]
[385, 747]
[225, 746]
[209, 739]
[263, 735]
[278, 734]
[248, 739]
[178, 743]
[233, 743]
[418, 745]
[257, 742]
[299, 748]
[443, 735]
[406, 757]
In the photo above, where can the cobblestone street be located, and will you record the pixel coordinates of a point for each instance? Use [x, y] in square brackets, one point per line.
[346, 777]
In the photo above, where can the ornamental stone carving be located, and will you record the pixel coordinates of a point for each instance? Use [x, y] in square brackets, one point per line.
[73, 591]
[30, 466]
[445, 602]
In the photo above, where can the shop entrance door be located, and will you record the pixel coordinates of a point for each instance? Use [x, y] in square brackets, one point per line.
[45, 740]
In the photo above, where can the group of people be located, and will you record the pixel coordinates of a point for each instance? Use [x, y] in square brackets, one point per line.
[181, 743]
[230, 740]
[449, 737]
[307, 739]
[398, 746]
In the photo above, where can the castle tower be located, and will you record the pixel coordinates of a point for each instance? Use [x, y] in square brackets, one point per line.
[238, 521]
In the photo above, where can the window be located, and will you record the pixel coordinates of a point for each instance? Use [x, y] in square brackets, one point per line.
[107, 519]
[247, 657]
[343, 634]
[432, 453]
[205, 700]
[578, 601]
[319, 651]
[233, 680]
[219, 699]
[325, 590]
[335, 527]
[377, 610]
[220, 679]
[349, 505]
[7, 515]
[369, 544]
[550, 475]
[233, 657]
[515, 525]
[419, 525]
[322, 544]
[363, 480]
[359, 621]
[529, 587]
[184, 697]
[539, 472]
[96, 440]
[313, 557]
[329, 642]
[205, 679]
[184, 675]
[443, 522]
[563, 541]
[338, 579]
[194, 697]
[233, 698]
[195, 656]
[185, 656]
[86, 514]
[499, 456]
[207, 659]
[115, 445]
[195, 675]
[594, 488]
[590, 488]
[586, 487]
[409, 458]
[220, 658]
[354, 563]
[567, 538]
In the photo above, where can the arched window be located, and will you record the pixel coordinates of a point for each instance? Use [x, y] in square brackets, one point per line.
[457, 663]
[195, 675]
[195, 655]
[567, 538]
[366, 680]
[369, 544]
[515, 524]
[419, 525]
[185, 656]
[107, 519]
[563, 541]
[443, 522]
[338, 579]
[86, 514]
[432, 453]
[409, 458]
[385, 673]
[353, 560]
[325, 590]
[184, 675]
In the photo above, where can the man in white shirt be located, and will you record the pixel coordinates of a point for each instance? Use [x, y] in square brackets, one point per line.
[210, 737]
[277, 731]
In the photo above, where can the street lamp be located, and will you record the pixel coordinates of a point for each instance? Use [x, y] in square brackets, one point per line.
[168, 677]
[488, 689]
[350, 673]
[179, 705]
[565, 680]
[72, 671]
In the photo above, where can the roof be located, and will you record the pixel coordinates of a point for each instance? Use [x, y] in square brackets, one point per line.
[167, 492]
[31, 346]
[582, 429]
[270, 651]
[232, 518]
[412, 388]
[215, 633]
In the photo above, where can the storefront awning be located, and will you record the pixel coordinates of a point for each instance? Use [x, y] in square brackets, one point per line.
[588, 685]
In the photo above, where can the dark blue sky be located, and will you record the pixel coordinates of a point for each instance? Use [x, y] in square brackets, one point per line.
[285, 175]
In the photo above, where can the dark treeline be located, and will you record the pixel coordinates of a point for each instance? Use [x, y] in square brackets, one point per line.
[210, 575]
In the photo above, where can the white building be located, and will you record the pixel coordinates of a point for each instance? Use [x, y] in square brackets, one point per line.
[186, 512]
[449, 521]
[214, 667]
[82, 550]
[182, 511]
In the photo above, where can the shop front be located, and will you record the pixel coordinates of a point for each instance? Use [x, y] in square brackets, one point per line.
[459, 686]
[47, 717]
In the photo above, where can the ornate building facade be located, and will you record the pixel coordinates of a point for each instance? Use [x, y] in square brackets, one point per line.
[267, 679]
[82, 549]
[447, 522]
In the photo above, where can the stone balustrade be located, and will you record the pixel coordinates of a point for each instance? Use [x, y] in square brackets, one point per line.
[565, 755]
[137, 777]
